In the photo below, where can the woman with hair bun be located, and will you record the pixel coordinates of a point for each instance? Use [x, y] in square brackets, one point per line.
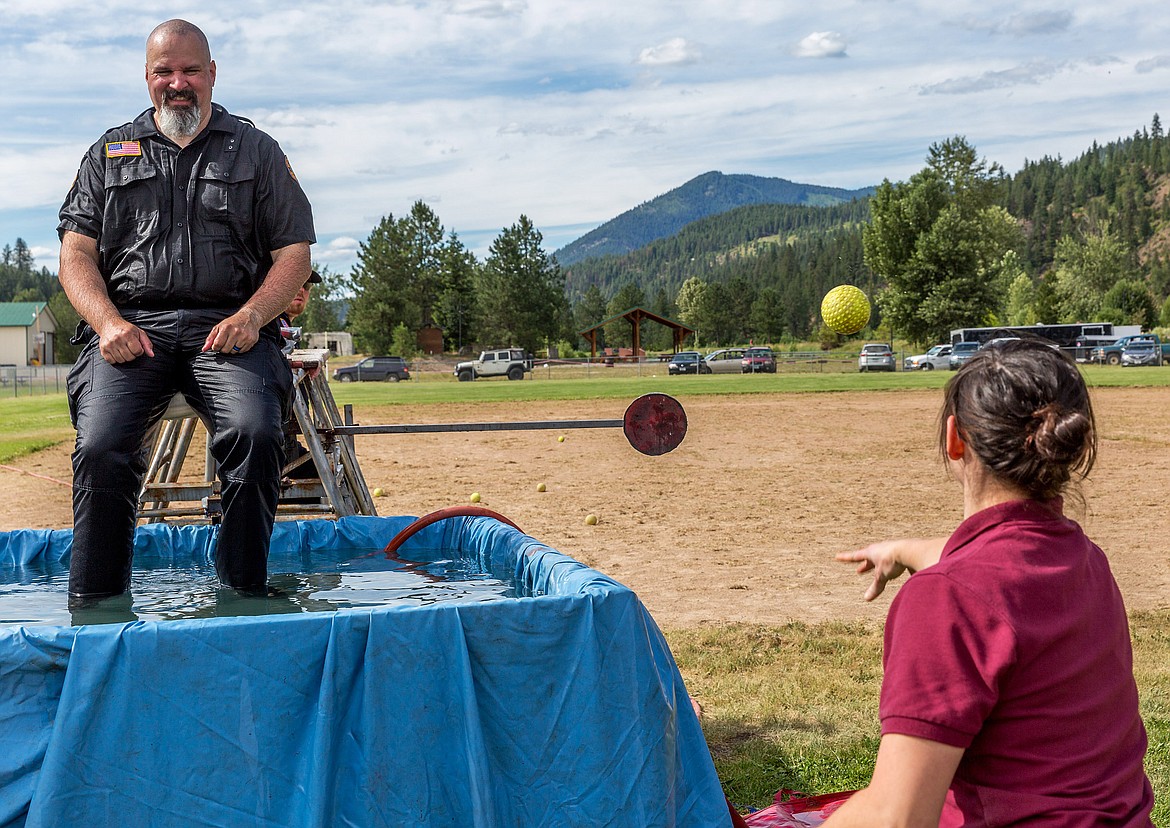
[1008, 695]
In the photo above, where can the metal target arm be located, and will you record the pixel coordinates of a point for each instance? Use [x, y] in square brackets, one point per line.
[424, 428]
[653, 424]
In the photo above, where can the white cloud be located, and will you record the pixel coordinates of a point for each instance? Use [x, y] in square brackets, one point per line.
[673, 52]
[1152, 64]
[554, 129]
[43, 255]
[1038, 23]
[338, 252]
[1026, 24]
[488, 8]
[1029, 73]
[487, 109]
[821, 45]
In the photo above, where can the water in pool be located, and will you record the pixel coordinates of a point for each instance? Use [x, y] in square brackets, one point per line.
[38, 596]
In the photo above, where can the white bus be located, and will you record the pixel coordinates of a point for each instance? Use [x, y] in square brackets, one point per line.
[1077, 338]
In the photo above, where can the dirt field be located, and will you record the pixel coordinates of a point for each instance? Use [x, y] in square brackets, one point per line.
[739, 523]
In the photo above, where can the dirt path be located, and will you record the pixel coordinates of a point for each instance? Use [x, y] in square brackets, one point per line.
[740, 523]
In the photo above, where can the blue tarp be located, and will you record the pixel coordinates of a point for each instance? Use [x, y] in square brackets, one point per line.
[562, 709]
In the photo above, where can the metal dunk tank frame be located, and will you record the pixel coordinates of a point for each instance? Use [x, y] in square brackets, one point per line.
[654, 424]
[338, 488]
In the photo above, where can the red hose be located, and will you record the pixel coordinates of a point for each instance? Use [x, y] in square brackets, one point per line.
[391, 549]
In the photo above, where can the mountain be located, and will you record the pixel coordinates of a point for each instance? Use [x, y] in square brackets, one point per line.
[765, 243]
[707, 195]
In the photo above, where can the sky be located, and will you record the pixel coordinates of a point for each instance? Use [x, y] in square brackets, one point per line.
[573, 112]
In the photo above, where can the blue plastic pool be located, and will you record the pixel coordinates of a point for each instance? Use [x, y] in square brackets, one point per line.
[556, 704]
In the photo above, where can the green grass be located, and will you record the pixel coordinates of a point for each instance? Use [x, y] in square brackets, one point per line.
[792, 706]
[23, 420]
[29, 424]
[34, 422]
[795, 706]
[628, 382]
[1151, 653]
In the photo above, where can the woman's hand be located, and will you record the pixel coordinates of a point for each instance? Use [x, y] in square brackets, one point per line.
[890, 559]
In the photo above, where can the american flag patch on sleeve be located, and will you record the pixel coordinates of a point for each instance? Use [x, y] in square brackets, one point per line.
[120, 149]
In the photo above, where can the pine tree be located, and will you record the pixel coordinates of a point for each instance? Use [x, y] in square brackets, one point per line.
[399, 277]
[323, 311]
[520, 292]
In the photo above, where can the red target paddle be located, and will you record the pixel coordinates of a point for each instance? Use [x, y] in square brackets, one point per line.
[655, 424]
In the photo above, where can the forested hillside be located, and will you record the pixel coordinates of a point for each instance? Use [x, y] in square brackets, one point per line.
[1121, 187]
[707, 195]
[797, 253]
[1094, 241]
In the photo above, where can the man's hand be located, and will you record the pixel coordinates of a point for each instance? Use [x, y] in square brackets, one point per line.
[120, 341]
[236, 334]
[290, 270]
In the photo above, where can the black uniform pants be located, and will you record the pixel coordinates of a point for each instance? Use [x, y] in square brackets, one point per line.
[240, 397]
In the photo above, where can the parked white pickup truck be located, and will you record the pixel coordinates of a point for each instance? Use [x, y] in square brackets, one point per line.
[937, 357]
[512, 363]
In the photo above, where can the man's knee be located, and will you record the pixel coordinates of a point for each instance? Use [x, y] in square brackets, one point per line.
[249, 438]
[256, 418]
[109, 452]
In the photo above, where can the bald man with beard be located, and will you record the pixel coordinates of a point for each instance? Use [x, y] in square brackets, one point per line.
[183, 237]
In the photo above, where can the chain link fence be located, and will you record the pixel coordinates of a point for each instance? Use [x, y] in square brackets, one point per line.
[27, 380]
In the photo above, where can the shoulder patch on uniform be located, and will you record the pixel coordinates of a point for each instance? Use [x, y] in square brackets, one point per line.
[288, 164]
[121, 149]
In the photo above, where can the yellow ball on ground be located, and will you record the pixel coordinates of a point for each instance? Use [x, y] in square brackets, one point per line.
[378, 492]
[591, 520]
[561, 439]
[845, 309]
[540, 487]
[475, 498]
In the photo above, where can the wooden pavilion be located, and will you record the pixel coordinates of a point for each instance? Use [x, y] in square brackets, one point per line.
[635, 316]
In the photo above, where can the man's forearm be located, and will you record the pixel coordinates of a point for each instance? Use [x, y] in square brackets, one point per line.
[83, 284]
[291, 268]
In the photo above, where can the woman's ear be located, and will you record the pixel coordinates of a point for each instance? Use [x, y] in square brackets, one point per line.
[956, 448]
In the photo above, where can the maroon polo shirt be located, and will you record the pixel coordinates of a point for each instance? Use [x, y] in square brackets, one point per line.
[1015, 647]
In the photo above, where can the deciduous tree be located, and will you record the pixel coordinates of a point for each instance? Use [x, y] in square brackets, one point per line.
[939, 241]
[1085, 268]
[693, 307]
[1133, 299]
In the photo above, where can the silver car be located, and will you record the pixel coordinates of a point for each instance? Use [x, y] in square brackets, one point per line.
[876, 356]
[960, 353]
[725, 361]
[1141, 352]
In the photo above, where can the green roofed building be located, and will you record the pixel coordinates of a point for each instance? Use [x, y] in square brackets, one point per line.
[27, 330]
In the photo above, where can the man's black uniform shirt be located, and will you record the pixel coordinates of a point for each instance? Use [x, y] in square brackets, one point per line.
[191, 227]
